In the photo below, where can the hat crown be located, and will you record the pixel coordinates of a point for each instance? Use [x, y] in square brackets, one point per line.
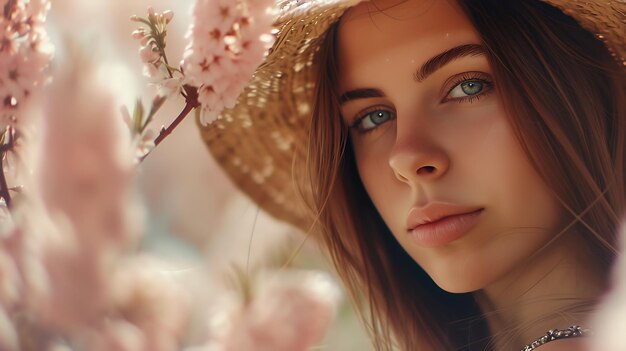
[260, 143]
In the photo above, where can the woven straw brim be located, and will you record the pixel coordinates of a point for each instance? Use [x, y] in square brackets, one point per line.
[261, 143]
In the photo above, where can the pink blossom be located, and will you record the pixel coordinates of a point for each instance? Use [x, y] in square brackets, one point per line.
[170, 86]
[167, 79]
[149, 312]
[88, 168]
[228, 39]
[152, 48]
[64, 263]
[37, 10]
[11, 287]
[25, 54]
[289, 311]
[149, 54]
[147, 297]
[76, 293]
[10, 283]
[609, 325]
[84, 182]
[116, 335]
[8, 335]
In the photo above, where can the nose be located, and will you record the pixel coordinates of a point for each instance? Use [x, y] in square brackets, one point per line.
[414, 158]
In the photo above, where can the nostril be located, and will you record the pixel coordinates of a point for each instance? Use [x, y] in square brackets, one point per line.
[426, 170]
[401, 177]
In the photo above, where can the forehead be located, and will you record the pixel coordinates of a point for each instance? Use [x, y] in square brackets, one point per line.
[405, 19]
[374, 33]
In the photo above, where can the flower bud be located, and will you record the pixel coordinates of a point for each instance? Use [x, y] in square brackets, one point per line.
[147, 54]
[152, 17]
[144, 41]
[139, 33]
[168, 15]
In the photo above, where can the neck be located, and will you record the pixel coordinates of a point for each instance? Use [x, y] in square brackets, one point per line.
[558, 287]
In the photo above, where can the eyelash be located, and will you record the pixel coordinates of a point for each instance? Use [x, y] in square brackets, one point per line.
[355, 125]
[465, 77]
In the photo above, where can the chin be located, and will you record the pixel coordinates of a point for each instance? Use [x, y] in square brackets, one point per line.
[457, 281]
[459, 287]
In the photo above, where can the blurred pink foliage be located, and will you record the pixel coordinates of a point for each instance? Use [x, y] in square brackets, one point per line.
[71, 276]
[83, 176]
[25, 54]
[287, 311]
[71, 249]
[609, 327]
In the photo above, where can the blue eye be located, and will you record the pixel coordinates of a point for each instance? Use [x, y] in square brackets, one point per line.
[467, 88]
[373, 119]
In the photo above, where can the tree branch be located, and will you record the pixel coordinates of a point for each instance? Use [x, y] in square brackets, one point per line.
[191, 95]
[4, 149]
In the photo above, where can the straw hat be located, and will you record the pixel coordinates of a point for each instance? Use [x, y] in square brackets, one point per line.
[260, 143]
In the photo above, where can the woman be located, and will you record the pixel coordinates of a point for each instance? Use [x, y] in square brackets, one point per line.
[464, 164]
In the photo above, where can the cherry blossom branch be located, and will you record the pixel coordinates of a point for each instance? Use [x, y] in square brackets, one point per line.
[157, 24]
[152, 40]
[192, 102]
[4, 188]
[4, 148]
[8, 8]
[191, 95]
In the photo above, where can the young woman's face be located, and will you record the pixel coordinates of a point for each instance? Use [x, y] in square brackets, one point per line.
[427, 127]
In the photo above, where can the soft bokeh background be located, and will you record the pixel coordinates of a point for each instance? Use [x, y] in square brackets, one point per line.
[196, 217]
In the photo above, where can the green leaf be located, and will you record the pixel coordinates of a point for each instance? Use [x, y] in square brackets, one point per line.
[157, 102]
[138, 117]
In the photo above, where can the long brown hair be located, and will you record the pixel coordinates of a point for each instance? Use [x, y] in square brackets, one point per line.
[565, 97]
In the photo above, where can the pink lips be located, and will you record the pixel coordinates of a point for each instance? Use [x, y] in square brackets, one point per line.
[438, 224]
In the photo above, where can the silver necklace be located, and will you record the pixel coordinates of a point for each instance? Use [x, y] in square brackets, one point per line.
[556, 334]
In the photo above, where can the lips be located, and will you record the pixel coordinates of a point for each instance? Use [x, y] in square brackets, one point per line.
[439, 223]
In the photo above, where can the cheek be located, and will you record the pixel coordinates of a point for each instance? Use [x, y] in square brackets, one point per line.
[386, 193]
[499, 170]
[375, 173]
[371, 155]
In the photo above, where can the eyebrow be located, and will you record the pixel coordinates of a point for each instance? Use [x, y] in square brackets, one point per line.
[429, 67]
[360, 94]
[444, 58]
